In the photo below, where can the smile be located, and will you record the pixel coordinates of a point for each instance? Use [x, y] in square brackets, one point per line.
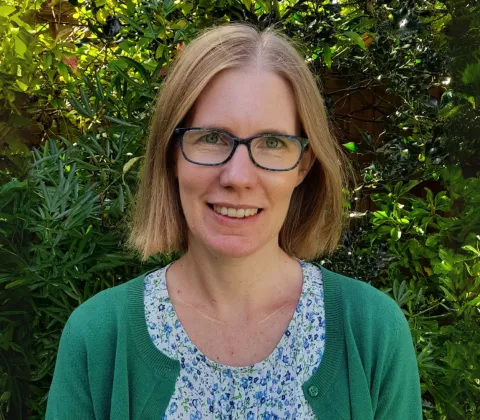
[234, 213]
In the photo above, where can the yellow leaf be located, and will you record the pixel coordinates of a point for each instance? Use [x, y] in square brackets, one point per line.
[428, 270]
[130, 163]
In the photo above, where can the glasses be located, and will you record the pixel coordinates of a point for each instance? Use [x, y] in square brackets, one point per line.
[212, 147]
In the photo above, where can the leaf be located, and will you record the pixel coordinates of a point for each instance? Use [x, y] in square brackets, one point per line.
[22, 86]
[247, 3]
[121, 122]
[20, 47]
[132, 23]
[356, 38]
[78, 106]
[327, 55]
[396, 234]
[15, 283]
[13, 185]
[85, 101]
[71, 62]
[429, 196]
[130, 164]
[471, 74]
[471, 249]
[6, 10]
[350, 146]
[159, 51]
[168, 6]
[139, 68]
[99, 91]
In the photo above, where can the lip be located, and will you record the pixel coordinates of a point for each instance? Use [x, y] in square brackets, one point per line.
[234, 222]
[232, 206]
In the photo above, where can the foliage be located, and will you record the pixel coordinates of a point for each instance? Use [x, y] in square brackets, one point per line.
[436, 279]
[77, 82]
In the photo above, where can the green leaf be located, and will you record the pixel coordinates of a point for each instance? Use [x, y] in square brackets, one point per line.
[355, 38]
[159, 51]
[471, 249]
[396, 234]
[99, 91]
[247, 3]
[168, 6]
[471, 74]
[15, 283]
[6, 10]
[20, 47]
[22, 86]
[78, 106]
[85, 101]
[474, 302]
[13, 185]
[350, 146]
[121, 122]
[327, 55]
[429, 196]
[139, 68]
[132, 23]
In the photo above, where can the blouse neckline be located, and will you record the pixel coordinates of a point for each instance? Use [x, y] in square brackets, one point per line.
[268, 360]
[163, 365]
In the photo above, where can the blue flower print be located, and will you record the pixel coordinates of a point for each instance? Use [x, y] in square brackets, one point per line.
[167, 329]
[306, 343]
[269, 389]
[196, 416]
[173, 408]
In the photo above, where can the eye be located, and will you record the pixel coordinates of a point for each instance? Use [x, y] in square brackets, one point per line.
[273, 143]
[210, 138]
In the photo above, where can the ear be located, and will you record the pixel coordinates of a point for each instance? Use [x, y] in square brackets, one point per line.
[308, 159]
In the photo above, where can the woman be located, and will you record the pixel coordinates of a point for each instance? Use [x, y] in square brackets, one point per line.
[243, 175]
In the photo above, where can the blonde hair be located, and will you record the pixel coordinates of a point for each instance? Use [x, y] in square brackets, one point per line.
[316, 216]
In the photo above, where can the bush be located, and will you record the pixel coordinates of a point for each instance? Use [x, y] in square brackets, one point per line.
[402, 85]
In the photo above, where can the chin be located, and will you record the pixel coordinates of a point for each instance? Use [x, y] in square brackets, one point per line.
[233, 246]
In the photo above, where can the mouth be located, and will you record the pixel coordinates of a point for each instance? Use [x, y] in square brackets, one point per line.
[233, 213]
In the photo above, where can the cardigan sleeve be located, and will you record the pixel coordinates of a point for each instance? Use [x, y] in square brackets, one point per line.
[400, 395]
[69, 395]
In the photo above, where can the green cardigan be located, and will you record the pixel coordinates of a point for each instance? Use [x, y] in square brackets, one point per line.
[108, 367]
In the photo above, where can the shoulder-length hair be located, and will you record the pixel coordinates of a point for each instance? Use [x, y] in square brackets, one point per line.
[316, 216]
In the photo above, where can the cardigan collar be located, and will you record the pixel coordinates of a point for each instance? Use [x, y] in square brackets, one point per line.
[165, 367]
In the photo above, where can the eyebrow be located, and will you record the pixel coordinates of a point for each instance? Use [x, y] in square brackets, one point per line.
[259, 133]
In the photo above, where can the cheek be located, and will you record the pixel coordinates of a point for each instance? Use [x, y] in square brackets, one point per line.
[193, 184]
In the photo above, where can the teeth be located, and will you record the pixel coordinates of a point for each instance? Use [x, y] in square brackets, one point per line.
[236, 213]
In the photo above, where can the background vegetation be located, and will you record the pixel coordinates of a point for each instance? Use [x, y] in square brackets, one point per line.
[402, 83]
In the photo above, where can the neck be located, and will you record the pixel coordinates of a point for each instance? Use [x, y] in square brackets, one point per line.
[236, 288]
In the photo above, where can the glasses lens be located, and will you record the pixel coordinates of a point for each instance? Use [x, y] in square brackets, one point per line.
[276, 152]
[269, 151]
[206, 146]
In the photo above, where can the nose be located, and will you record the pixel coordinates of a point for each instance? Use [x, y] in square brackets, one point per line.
[239, 171]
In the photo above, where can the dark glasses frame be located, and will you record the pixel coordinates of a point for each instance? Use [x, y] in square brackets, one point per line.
[179, 132]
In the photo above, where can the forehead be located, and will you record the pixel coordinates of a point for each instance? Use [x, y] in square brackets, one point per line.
[246, 103]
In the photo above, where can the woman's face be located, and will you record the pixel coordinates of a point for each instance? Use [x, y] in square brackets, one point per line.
[244, 103]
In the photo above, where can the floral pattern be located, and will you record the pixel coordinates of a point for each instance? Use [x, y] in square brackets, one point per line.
[270, 389]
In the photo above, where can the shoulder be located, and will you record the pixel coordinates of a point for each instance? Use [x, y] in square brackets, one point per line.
[363, 306]
[98, 318]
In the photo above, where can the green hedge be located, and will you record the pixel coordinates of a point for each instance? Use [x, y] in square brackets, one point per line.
[77, 88]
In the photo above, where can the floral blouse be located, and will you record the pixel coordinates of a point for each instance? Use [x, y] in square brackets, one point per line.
[270, 389]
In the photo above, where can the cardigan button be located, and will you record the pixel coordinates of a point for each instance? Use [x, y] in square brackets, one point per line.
[313, 391]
